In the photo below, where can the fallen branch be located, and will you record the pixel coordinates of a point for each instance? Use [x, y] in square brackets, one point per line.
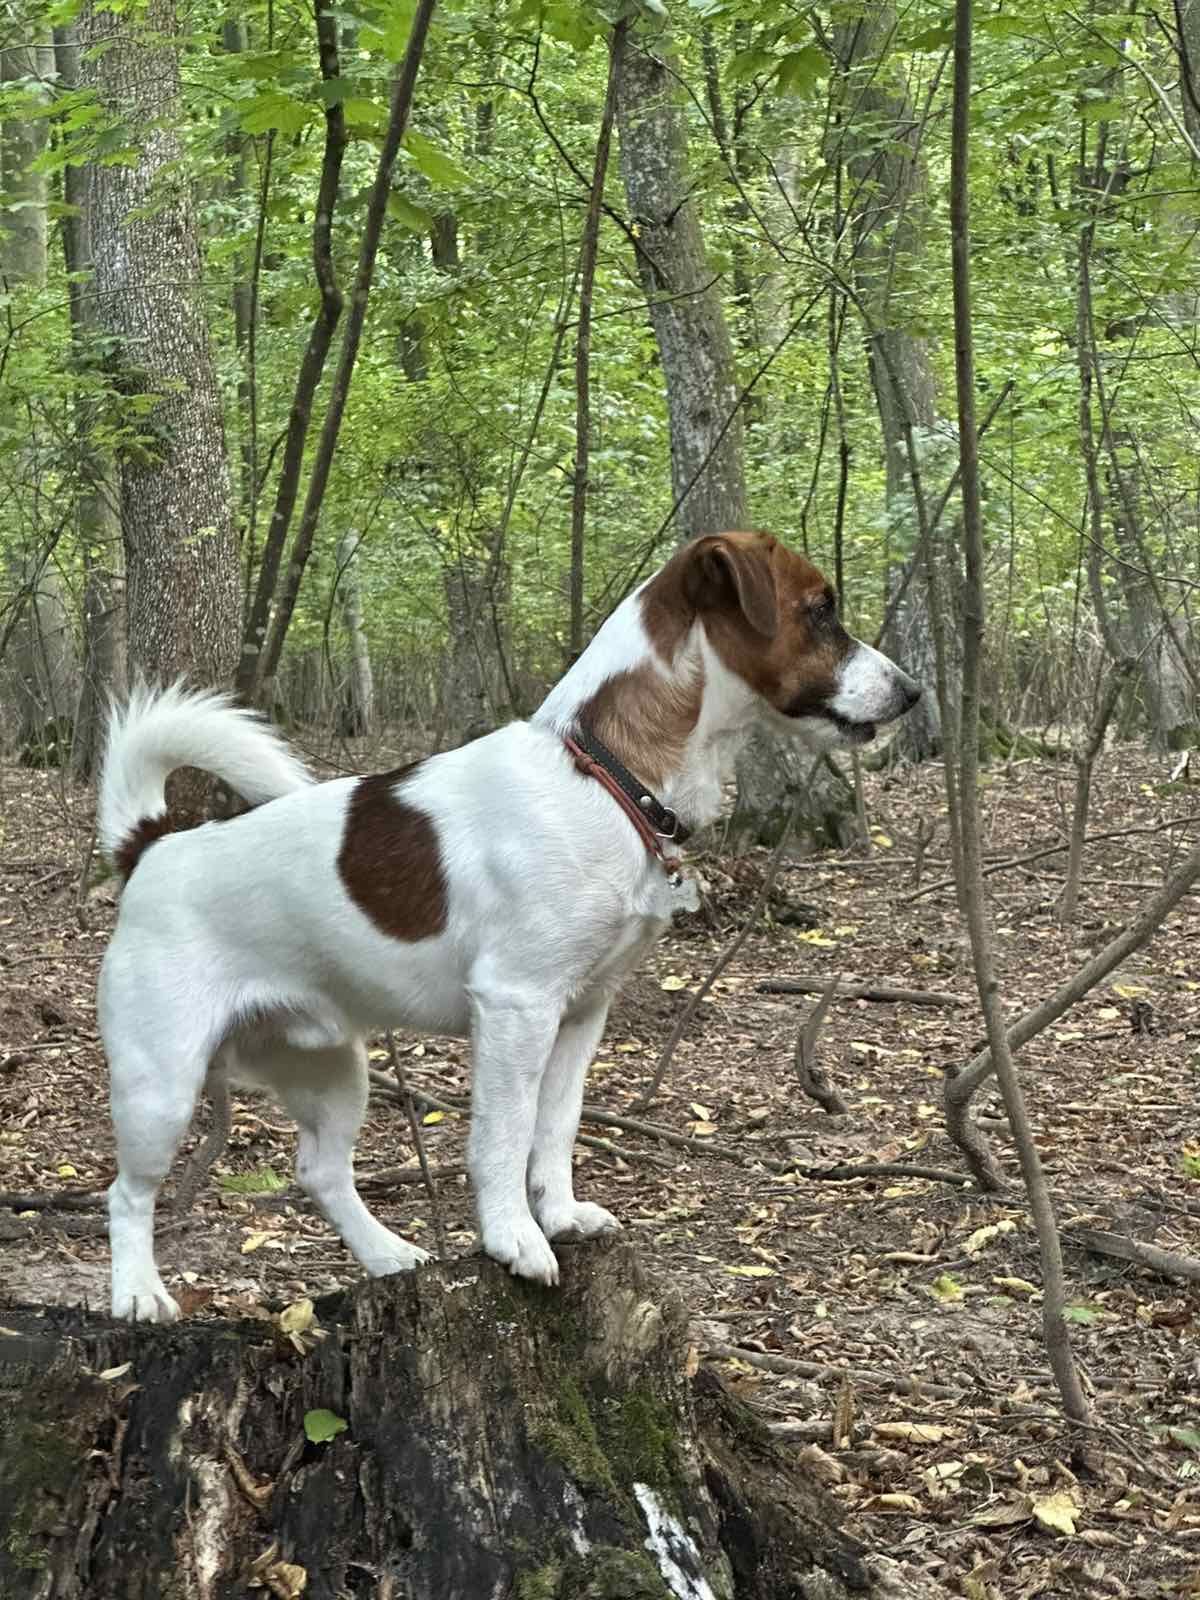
[200, 1162]
[813, 1080]
[786, 1367]
[1007, 863]
[414, 1128]
[861, 991]
[1165, 1262]
[848, 1171]
[10, 1200]
[386, 1177]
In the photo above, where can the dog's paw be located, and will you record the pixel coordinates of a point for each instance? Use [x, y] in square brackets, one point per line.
[145, 1302]
[400, 1256]
[522, 1247]
[578, 1220]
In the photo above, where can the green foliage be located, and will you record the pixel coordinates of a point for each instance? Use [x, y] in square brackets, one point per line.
[265, 1181]
[321, 1426]
[458, 446]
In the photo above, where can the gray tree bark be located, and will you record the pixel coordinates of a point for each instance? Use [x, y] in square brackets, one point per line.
[176, 501]
[357, 699]
[877, 140]
[682, 294]
[97, 506]
[42, 667]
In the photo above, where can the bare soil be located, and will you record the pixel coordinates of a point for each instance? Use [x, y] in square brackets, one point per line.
[885, 1279]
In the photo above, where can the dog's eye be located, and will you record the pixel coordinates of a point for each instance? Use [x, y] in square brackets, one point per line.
[825, 610]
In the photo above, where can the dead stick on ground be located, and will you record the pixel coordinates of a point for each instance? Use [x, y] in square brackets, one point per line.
[200, 1163]
[414, 1127]
[786, 1367]
[12, 1201]
[687, 1015]
[861, 991]
[1007, 863]
[1166, 1262]
[813, 1081]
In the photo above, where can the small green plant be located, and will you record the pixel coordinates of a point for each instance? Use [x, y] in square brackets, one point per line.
[321, 1426]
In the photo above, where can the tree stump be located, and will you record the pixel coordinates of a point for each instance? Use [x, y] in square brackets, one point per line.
[499, 1440]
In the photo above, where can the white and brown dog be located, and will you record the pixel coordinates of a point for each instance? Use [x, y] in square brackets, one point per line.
[495, 890]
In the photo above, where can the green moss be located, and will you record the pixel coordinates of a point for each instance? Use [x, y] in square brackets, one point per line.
[540, 1585]
[607, 1573]
[41, 1461]
[640, 1441]
[569, 1437]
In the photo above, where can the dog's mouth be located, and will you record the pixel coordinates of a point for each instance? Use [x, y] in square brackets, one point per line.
[852, 732]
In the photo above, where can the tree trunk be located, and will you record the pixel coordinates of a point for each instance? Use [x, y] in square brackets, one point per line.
[474, 698]
[357, 710]
[682, 295]
[42, 663]
[97, 504]
[176, 501]
[22, 141]
[878, 142]
[493, 1442]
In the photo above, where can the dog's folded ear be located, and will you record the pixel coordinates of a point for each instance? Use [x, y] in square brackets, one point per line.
[725, 572]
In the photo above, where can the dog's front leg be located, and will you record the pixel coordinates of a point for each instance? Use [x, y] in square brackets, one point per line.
[512, 1036]
[550, 1184]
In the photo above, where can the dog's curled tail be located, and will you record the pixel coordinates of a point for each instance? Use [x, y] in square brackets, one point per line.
[157, 730]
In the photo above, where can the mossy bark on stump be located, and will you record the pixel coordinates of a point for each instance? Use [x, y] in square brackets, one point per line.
[501, 1440]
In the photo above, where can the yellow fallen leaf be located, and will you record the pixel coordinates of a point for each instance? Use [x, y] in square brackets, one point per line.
[702, 1129]
[1129, 991]
[297, 1318]
[432, 1118]
[66, 1170]
[913, 1432]
[254, 1241]
[673, 984]
[1015, 1285]
[751, 1272]
[1108, 1013]
[946, 1288]
[815, 936]
[897, 1502]
[881, 839]
[700, 1111]
[110, 1374]
[983, 1236]
[1057, 1512]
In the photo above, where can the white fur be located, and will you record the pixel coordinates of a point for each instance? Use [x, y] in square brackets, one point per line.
[238, 951]
[158, 730]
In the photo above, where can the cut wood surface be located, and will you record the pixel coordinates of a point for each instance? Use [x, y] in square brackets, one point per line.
[488, 1438]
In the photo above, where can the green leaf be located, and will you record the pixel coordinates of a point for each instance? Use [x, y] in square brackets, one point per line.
[749, 64]
[408, 213]
[265, 1181]
[433, 161]
[800, 69]
[361, 113]
[1084, 1314]
[1189, 1438]
[1102, 110]
[275, 111]
[321, 1426]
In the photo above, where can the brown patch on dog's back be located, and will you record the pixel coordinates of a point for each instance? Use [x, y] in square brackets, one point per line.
[139, 839]
[390, 861]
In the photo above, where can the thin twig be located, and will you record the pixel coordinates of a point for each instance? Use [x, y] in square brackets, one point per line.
[418, 1139]
[882, 993]
[812, 1080]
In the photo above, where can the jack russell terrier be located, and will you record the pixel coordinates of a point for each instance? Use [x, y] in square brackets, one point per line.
[503, 890]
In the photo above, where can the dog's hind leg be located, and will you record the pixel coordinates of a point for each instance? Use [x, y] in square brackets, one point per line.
[152, 1105]
[326, 1092]
[549, 1180]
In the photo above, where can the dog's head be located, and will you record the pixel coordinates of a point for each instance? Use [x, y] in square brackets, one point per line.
[772, 619]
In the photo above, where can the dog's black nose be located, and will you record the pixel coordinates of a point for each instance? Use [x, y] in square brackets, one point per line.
[912, 693]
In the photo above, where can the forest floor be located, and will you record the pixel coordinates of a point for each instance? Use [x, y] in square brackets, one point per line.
[874, 1282]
